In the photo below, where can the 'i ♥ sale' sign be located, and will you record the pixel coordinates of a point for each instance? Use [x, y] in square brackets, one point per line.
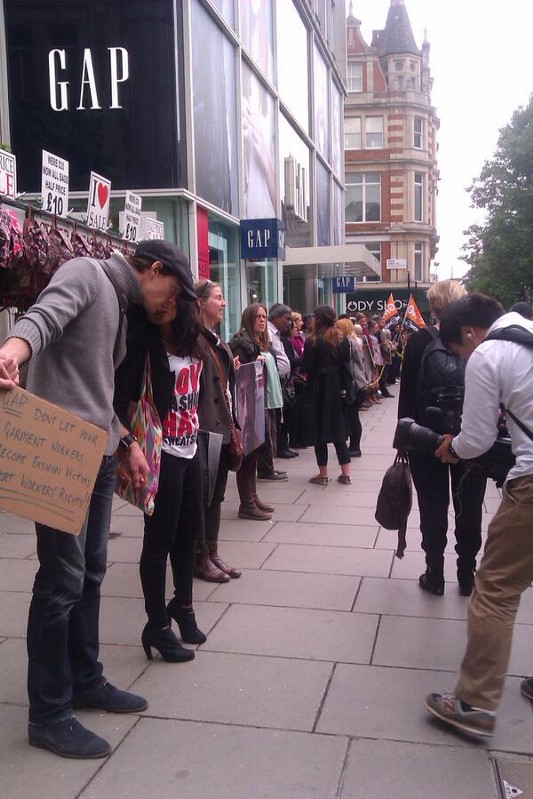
[98, 206]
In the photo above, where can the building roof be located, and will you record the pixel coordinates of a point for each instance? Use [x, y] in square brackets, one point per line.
[397, 36]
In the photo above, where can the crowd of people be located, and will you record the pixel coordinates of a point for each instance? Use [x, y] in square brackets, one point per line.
[320, 374]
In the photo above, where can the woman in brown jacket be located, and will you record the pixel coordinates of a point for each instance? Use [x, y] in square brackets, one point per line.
[216, 415]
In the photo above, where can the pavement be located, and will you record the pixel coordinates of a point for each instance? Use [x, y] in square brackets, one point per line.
[312, 679]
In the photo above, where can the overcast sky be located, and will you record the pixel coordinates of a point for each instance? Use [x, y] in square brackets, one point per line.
[480, 61]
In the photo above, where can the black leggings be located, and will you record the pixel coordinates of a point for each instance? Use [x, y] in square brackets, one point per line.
[172, 530]
[343, 454]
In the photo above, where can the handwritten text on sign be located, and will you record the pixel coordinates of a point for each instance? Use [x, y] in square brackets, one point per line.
[49, 460]
[54, 184]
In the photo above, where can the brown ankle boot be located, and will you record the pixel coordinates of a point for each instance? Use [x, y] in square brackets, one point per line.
[217, 560]
[263, 505]
[249, 510]
[206, 570]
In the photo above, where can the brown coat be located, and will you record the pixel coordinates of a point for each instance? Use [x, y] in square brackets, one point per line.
[213, 411]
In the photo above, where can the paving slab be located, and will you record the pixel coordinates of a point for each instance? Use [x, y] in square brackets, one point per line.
[322, 534]
[213, 761]
[16, 524]
[273, 692]
[17, 545]
[14, 613]
[30, 773]
[265, 587]
[399, 597]
[419, 643]
[330, 560]
[338, 636]
[17, 574]
[416, 771]
[383, 703]
[332, 513]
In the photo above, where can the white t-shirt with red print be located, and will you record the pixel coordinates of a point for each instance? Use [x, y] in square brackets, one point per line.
[180, 428]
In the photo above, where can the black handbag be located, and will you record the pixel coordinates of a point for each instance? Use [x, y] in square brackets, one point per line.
[395, 500]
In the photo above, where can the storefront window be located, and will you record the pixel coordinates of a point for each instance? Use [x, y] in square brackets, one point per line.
[257, 33]
[224, 266]
[323, 205]
[259, 146]
[262, 281]
[215, 119]
[293, 63]
[322, 118]
[296, 205]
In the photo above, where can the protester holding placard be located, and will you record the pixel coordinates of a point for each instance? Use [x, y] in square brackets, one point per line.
[75, 338]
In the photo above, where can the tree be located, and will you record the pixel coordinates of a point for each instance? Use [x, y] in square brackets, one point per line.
[500, 252]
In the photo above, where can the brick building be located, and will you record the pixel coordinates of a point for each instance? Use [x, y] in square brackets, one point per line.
[390, 147]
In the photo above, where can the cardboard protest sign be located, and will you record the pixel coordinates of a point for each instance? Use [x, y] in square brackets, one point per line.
[49, 460]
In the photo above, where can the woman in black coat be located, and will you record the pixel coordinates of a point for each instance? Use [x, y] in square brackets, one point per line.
[170, 339]
[325, 361]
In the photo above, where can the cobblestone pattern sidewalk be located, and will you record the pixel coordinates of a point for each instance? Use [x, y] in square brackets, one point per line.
[311, 683]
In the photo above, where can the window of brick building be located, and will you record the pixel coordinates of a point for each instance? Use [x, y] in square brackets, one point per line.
[352, 133]
[363, 197]
[355, 77]
[419, 197]
[419, 133]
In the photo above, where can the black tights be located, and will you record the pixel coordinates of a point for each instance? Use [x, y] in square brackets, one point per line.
[343, 454]
[171, 530]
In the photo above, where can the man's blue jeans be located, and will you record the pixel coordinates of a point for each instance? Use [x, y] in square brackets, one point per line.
[63, 618]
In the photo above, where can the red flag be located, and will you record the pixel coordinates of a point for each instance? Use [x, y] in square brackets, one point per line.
[413, 318]
[391, 315]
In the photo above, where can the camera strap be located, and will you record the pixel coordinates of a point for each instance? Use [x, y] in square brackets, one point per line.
[519, 335]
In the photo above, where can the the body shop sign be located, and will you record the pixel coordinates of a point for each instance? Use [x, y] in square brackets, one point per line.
[8, 175]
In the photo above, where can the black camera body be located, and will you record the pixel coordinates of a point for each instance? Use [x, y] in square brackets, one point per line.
[494, 464]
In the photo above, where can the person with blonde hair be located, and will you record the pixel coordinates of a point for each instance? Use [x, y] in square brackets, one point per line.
[431, 477]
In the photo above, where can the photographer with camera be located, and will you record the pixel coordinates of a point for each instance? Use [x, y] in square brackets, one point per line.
[431, 392]
[499, 374]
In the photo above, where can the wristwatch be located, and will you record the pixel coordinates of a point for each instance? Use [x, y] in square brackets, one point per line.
[452, 452]
[126, 442]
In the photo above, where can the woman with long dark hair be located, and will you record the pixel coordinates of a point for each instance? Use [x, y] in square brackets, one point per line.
[250, 344]
[217, 415]
[170, 340]
[325, 364]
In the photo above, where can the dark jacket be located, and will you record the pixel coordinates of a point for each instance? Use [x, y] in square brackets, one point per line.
[324, 367]
[143, 337]
[412, 357]
[213, 412]
[245, 347]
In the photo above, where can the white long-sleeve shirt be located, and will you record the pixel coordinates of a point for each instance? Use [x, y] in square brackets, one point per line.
[282, 360]
[498, 372]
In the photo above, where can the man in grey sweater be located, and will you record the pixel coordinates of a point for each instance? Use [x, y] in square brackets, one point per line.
[75, 338]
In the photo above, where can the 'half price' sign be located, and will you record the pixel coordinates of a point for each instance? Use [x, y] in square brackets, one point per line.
[54, 184]
[8, 175]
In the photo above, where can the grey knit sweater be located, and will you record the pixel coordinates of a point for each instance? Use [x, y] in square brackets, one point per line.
[71, 330]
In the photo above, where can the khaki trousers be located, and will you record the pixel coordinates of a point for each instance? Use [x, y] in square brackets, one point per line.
[506, 570]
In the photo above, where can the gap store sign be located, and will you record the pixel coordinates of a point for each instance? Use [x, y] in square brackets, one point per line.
[262, 238]
[95, 82]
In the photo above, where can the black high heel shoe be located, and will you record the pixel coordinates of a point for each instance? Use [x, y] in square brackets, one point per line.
[165, 642]
[186, 621]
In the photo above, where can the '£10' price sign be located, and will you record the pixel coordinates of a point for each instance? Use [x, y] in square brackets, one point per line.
[132, 216]
[54, 184]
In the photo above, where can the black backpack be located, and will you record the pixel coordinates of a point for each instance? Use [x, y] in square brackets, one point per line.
[440, 382]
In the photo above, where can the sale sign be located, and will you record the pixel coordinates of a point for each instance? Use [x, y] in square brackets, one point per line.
[99, 199]
[54, 184]
[154, 229]
[8, 175]
[132, 216]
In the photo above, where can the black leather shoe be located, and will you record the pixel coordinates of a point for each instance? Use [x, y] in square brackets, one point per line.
[186, 620]
[273, 475]
[68, 738]
[165, 642]
[355, 453]
[287, 453]
[111, 699]
[432, 584]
